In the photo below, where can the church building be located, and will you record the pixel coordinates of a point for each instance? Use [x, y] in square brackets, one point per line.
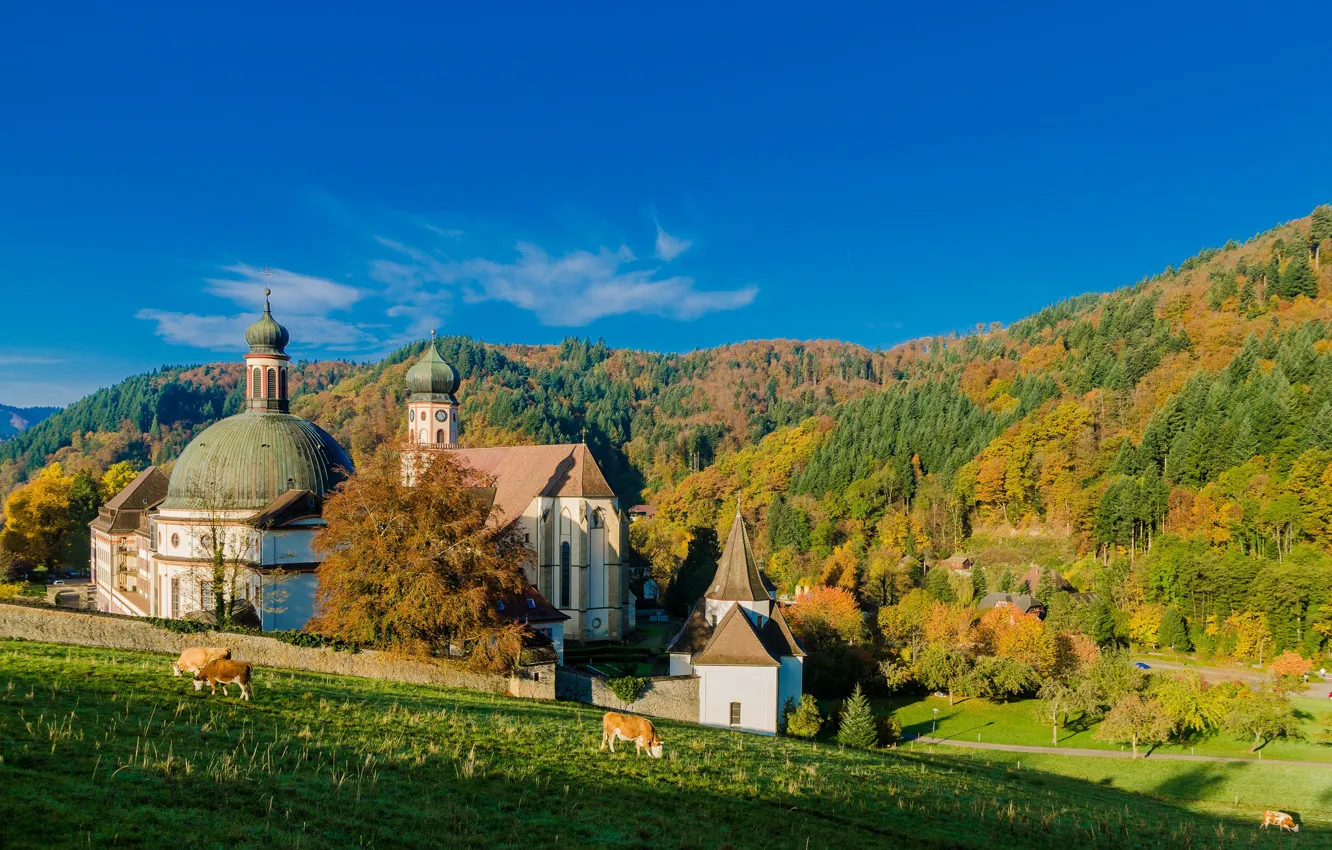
[248, 492]
[566, 511]
[737, 642]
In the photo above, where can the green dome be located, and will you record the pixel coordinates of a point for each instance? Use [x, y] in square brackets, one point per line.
[266, 336]
[432, 375]
[246, 461]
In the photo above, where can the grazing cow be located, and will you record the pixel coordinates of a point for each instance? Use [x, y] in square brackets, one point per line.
[630, 727]
[1280, 819]
[223, 672]
[193, 659]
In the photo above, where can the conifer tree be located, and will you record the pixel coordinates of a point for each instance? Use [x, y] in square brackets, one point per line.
[938, 585]
[1174, 631]
[858, 727]
[803, 720]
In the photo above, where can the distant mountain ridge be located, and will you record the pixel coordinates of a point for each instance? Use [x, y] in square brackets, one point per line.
[16, 419]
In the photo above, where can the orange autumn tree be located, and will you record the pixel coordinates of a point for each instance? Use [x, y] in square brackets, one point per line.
[1005, 632]
[826, 614]
[419, 569]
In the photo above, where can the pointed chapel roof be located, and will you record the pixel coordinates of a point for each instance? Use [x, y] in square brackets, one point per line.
[738, 577]
[776, 636]
[735, 643]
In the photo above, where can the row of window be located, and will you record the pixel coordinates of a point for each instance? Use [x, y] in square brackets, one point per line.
[270, 383]
[425, 436]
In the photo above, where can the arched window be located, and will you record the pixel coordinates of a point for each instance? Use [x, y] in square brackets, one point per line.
[282, 384]
[439, 436]
[425, 436]
[270, 391]
[256, 380]
[565, 569]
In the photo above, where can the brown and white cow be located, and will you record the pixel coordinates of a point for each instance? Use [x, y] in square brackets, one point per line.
[630, 727]
[1280, 819]
[223, 672]
[193, 659]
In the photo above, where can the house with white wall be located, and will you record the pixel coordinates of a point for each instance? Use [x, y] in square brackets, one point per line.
[737, 642]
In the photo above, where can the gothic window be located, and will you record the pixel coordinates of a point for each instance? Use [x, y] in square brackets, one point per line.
[439, 436]
[565, 569]
[270, 390]
[256, 382]
[598, 518]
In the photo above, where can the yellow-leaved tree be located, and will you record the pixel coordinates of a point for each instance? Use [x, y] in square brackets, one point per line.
[37, 520]
[117, 477]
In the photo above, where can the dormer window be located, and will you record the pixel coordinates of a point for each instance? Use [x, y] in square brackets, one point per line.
[500, 605]
[531, 603]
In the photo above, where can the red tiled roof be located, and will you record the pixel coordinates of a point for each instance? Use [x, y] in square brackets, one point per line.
[523, 473]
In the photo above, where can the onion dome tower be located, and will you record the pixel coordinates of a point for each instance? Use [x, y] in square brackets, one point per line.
[432, 408]
[266, 363]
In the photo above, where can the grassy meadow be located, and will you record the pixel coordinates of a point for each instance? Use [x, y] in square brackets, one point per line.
[106, 748]
[1016, 723]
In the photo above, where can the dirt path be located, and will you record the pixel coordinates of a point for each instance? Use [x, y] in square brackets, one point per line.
[1080, 751]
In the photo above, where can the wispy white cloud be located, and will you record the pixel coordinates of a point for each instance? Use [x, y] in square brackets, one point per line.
[303, 302]
[669, 247]
[572, 289]
[29, 360]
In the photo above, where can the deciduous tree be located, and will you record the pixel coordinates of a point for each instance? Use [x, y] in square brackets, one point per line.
[419, 568]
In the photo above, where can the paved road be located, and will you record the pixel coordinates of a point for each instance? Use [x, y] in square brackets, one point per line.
[1079, 751]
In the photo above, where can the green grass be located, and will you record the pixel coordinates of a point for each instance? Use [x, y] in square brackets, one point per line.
[1015, 723]
[106, 748]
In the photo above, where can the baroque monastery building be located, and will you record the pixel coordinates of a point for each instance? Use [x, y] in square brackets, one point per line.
[249, 491]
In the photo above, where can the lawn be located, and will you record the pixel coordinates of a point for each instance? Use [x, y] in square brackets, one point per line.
[106, 748]
[1015, 723]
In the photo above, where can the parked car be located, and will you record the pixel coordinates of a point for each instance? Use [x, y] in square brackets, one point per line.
[1141, 666]
[58, 583]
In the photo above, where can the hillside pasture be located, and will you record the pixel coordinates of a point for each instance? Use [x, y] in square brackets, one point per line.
[106, 748]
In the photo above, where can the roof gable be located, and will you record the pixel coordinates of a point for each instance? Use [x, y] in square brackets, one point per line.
[735, 643]
[147, 489]
[737, 578]
[522, 473]
[776, 636]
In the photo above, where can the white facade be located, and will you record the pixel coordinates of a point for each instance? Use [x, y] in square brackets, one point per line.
[749, 692]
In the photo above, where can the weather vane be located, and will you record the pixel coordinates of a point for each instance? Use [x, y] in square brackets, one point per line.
[268, 274]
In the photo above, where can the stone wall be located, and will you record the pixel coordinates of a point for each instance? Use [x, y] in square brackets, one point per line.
[668, 697]
[53, 625]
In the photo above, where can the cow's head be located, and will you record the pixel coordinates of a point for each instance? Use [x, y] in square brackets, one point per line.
[654, 747]
[199, 681]
[1295, 828]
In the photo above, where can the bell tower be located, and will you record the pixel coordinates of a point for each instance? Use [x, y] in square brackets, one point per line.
[266, 363]
[432, 408]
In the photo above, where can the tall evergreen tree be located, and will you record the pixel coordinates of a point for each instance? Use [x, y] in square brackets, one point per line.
[858, 727]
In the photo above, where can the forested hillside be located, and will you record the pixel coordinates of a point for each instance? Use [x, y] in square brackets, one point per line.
[15, 419]
[1168, 444]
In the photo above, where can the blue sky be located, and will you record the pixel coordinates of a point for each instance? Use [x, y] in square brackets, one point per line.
[665, 176]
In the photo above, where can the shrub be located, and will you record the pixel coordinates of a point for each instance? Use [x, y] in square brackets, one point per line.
[858, 727]
[10, 591]
[803, 720]
[890, 730]
[627, 689]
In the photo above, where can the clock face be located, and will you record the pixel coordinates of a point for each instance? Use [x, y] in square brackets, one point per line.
[440, 416]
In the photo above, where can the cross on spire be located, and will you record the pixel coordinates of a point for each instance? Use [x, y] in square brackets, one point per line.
[268, 274]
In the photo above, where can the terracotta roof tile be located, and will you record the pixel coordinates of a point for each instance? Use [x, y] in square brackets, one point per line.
[735, 643]
[523, 473]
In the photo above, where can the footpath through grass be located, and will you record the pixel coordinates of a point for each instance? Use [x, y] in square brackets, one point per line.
[1016, 723]
[106, 748]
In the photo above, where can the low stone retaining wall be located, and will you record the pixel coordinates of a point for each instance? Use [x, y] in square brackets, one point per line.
[53, 625]
[668, 697]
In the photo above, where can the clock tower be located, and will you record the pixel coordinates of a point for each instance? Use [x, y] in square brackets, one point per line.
[432, 407]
